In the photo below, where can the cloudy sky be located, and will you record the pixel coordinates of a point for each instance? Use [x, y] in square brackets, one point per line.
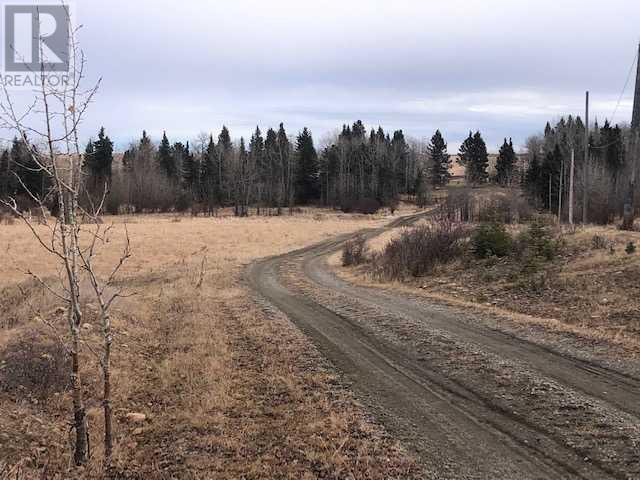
[501, 66]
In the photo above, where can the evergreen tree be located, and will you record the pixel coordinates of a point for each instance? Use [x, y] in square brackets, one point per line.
[166, 159]
[464, 152]
[87, 159]
[144, 155]
[98, 161]
[275, 189]
[209, 175]
[286, 165]
[103, 155]
[399, 165]
[242, 182]
[256, 148]
[505, 164]
[5, 175]
[258, 160]
[33, 180]
[474, 156]
[440, 162]
[307, 171]
[611, 149]
[549, 180]
[190, 172]
[224, 150]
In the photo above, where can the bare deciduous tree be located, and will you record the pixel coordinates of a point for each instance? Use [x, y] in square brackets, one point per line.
[49, 129]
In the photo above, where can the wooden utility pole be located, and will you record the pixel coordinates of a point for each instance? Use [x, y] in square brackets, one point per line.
[586, 161]
[629, 203]
[560, 191]
[635, 119]
[573, 159]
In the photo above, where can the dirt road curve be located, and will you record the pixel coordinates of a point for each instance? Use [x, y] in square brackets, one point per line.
[469, 399]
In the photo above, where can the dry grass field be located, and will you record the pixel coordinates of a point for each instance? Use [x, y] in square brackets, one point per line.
[227, 388]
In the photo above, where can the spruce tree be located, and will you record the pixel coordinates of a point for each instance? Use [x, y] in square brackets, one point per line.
[190, 172]
[98, 161]
[5, 175]
[505, 164]
[307, 171]
[242, 187]
[166, 159]
[32, 178]
[549, 179]
[88, 157]
[474, 156]
[440, 162]
[224, 150]
[464, 153]
[286, 166]
[209, 175]
[275, 189]
[103, 155]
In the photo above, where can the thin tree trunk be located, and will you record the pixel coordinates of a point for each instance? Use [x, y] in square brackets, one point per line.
[571, 173]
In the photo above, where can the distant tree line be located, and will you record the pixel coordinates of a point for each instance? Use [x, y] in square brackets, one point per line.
[355, 170]
[600, 181]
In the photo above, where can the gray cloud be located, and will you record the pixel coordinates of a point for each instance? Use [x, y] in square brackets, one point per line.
[503, 67]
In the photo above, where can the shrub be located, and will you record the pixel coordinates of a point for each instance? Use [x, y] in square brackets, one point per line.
[508, 208]
[418, 250]
[535, 246]
[630, 248]
[598, 242]
[354, 252]
[491, 239]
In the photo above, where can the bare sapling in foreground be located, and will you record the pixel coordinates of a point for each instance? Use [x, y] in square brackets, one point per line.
[71, 233]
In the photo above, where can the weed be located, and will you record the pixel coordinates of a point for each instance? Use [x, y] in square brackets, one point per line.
[354, 252]
[630, 248]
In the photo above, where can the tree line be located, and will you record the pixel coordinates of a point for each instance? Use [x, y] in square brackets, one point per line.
[355, 170]
[600, 177]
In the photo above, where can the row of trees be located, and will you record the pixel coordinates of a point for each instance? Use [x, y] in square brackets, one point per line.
[600, 177]
[270, 173]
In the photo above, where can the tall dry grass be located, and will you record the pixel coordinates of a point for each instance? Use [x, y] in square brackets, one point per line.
[228, 390]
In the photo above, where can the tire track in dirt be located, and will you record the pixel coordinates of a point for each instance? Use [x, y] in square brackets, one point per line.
[456, 428]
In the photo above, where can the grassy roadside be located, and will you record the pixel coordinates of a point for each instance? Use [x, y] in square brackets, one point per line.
[220, 387]
[591, 289]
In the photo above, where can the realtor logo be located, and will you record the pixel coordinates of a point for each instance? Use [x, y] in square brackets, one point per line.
[36, 38]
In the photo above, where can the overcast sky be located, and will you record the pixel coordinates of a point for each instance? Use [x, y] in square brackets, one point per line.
[501, 66]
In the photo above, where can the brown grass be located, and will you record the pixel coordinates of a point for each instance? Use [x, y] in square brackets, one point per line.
[592, 293]
[229, 389]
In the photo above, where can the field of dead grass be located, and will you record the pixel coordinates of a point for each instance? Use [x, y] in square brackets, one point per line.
[228, 388]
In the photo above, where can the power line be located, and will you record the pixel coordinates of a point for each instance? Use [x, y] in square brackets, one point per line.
[626, 83]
